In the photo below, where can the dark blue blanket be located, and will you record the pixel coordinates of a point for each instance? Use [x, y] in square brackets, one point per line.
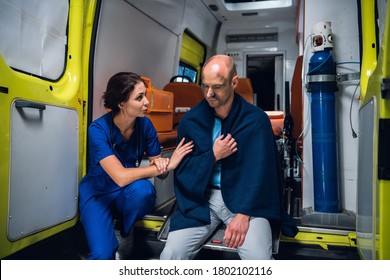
[250, 178]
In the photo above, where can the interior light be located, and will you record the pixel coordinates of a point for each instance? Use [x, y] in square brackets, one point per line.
[257, 5]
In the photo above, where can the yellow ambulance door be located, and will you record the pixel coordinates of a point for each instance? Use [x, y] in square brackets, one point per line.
[373, 212]
[41, 112]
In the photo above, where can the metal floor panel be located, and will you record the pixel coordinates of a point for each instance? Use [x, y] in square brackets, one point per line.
[71, 245]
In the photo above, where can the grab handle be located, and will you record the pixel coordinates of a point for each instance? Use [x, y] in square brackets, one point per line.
[29, 104]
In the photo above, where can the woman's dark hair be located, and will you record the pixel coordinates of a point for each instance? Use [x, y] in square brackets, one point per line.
[119, 88]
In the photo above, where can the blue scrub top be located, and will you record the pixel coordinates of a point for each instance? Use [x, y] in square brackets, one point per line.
[105, 139]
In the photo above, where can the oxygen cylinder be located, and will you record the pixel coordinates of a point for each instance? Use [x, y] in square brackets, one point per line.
[322, 86]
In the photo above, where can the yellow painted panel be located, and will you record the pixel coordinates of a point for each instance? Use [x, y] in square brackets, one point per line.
[373, 82]
[383, 188]
[386, 45]
[69, 91]
[369, 60]
[383, 242]
[323, 240]
[149, 225]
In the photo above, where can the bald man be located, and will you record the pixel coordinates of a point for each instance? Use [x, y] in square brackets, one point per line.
[232, 175]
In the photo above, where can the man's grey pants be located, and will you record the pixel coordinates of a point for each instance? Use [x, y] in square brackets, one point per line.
[186, 243]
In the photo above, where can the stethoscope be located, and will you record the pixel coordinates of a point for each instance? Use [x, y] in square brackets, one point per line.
[113, 145]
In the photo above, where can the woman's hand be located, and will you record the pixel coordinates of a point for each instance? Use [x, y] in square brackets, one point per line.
[180, 152]
[160, 163]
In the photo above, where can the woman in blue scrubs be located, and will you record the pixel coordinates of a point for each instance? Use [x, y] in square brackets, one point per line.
[115, 187]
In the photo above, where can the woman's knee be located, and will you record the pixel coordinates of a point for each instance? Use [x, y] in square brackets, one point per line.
[142, 189]
[139, 197]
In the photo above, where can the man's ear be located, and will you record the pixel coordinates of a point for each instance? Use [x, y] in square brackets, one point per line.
[235, 81]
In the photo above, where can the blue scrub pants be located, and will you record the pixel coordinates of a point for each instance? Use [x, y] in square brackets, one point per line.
[129, 204]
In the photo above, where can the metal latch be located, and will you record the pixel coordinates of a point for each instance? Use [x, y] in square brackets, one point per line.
[384, 149]
[385, 88]
[348, 77]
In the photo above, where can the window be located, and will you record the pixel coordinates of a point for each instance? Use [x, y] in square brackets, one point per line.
[187, 71]
[33, 36]
[192, 56]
